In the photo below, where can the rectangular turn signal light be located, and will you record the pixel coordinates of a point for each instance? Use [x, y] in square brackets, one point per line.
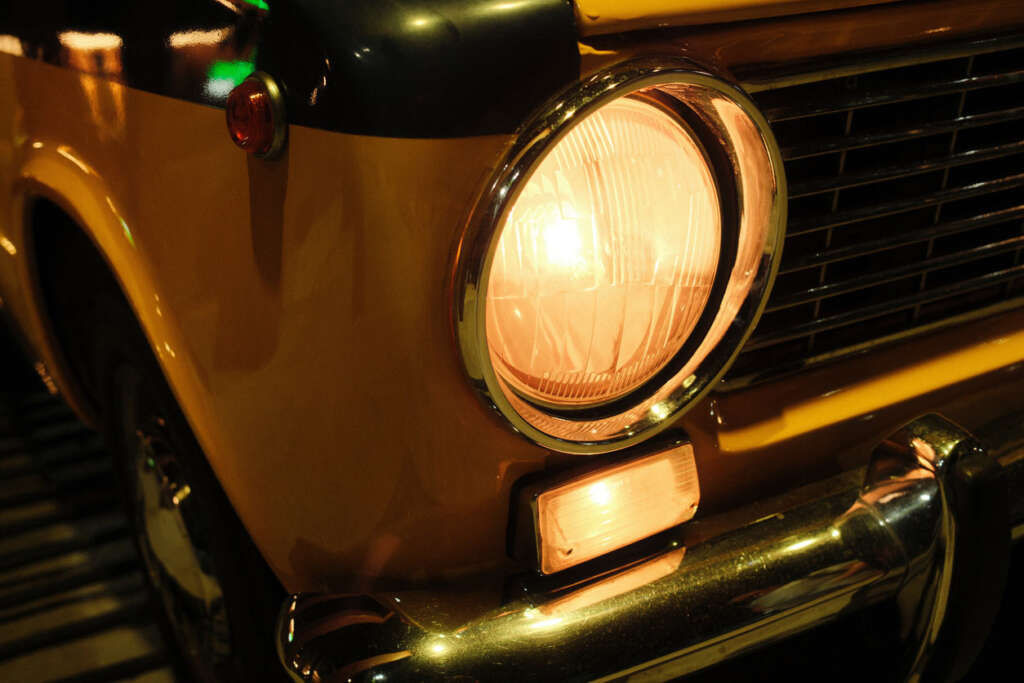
[602, 510]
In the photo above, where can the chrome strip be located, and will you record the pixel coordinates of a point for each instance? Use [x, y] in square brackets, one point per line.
[278, 111]
[894, 304]
[856, 64]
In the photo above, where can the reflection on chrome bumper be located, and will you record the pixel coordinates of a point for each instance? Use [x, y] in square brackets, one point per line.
[928, 521]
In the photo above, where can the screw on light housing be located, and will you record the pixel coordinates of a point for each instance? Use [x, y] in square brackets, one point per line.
[256, 117]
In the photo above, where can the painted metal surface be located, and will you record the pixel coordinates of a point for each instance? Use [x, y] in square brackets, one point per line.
[841, 404]
[616, 16]
[299, 310]
[807, 42]
[426, 68]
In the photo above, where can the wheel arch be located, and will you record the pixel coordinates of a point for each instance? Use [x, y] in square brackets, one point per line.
[48, 221]
[59, 197]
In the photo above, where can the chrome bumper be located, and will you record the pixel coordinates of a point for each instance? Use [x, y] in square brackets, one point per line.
[928, 522]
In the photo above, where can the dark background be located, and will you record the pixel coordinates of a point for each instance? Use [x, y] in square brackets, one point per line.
[15, 374]
[74, 606]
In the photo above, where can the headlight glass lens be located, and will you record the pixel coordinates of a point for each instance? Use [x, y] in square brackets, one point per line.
[605, 260]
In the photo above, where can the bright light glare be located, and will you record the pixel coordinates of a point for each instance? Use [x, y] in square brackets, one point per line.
[10, 45]
[613, 507]
[218, 88]
[77, 40]
[197, 38]
[562, 243]
[618, 584]
[599, 493]
[606, 258]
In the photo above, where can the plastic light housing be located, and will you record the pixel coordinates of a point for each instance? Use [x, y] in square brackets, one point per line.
[254, 112]
[602, 511]
[250, 118]
[621, 255]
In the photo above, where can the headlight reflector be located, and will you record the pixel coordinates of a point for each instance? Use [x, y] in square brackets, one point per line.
[606, 258]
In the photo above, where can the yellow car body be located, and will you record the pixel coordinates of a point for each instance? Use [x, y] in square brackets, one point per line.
[300, 307]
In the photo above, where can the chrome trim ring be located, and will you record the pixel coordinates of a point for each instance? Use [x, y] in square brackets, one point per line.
[748, 170]
[278, 111]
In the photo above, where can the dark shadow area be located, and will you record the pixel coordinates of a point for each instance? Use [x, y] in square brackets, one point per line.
[73, 601]
[865, 646]
[16, 374]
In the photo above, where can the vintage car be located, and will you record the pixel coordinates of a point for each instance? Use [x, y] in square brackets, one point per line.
[533, 339]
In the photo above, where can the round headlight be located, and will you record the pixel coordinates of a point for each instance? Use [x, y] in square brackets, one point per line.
[620, 256]
[606, 259]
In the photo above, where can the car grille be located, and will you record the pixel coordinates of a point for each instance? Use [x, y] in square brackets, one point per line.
[906, 204]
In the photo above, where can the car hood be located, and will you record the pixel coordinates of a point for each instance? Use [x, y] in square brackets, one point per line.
[615, 16]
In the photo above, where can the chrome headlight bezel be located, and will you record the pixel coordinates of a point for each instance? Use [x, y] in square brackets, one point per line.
[704, 101]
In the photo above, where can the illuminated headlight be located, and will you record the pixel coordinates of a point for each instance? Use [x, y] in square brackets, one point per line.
[621, 256]
[606, 258]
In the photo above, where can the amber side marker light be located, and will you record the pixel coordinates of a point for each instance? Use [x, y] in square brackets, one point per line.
[256, 117]
[603, 510]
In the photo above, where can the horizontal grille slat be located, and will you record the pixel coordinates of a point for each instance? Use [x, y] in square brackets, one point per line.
[858, 314]
[971, 156]
[844, 143]
[882, 209]
[899, 239]
[888, 275]
[897, 93]
[906, 202]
